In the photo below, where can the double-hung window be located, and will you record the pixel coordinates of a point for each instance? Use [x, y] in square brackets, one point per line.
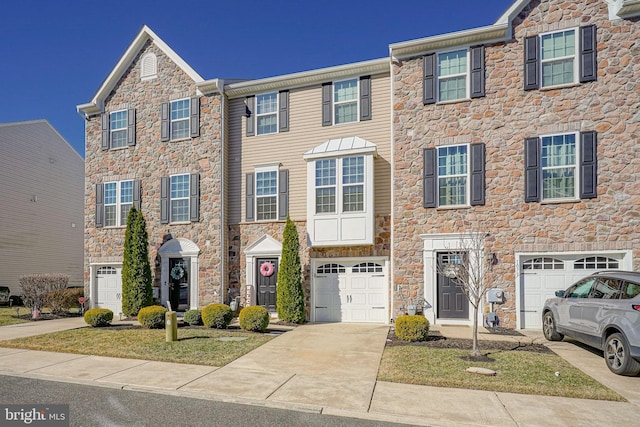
[118, 129]
[325, 183]
[267, 113]
[266, 195]
[558, 162]
[345, 101]
[453, 175]
[453, 72]
[180, 118]
[180, 198]
[558, 58]
[118, 200]
[342, 179]
[353, 184]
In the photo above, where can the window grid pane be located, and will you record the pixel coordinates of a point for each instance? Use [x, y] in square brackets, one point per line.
[266, 183]
[118, 126]
[179, 198]
[326, 200]
[353, 198]
[179, 210]
[110, 216]
[345, 98]
[266, 208]
[558, 159]
[180, 119]
[325, 172]
[353, 170]
[124, 213]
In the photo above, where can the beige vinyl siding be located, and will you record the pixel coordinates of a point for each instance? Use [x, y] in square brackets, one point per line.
[305, 132]
[42, 221]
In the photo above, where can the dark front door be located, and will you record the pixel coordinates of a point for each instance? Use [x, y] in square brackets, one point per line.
[266, 277]
[179, 280]
[452, 303]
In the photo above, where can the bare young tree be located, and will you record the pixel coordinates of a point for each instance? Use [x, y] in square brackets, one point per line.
[470, 268]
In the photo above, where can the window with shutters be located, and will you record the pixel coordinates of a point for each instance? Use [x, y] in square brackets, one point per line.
[345, 101]
[118, 129]
[118, 200]
[267, 113]
[559, 169]
[266, 194]
[179, 123]
[179, 198]
[453, 175]
[453, 75]
[558, 58]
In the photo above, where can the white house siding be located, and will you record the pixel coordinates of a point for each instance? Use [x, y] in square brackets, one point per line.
[41, 224]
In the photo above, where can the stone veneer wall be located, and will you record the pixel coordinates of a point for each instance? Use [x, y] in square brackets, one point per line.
[502, 120]
[151, 159]
[241, 236]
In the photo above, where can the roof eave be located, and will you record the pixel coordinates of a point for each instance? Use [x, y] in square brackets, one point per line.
[307, 78]
[89, 109]
[630, 8]
[487, 34]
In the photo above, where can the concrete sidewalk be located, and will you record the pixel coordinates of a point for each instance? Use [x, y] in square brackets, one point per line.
[331, 369]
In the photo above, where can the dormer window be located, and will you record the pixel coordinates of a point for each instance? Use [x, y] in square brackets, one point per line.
[148, 66]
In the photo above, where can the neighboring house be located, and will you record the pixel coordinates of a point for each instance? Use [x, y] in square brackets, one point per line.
[41, 225]
[525, 130]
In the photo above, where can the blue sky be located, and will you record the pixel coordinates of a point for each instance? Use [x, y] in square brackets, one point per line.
[56, 53]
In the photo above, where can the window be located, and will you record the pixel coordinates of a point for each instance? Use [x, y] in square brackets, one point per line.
[596, 262]
[351, 190]
[179, 198]
[267, 113]
[561, 57]
[606, 289]
[630, 290]
[454, 175]
[580, 289]
[367, 267]
[561, 167]
[345, 101]
[266, 195]
[326, 186]
[452, 75]
[543, 264]
[353, 184]
[558, 57]
[118, 200]
[330, 269]
[180, 119]
[118, 128]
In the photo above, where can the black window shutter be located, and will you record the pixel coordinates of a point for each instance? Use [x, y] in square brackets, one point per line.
[164, 200]
[283, 98]
[478, 161]
[99, 205]
[194, 118]
[327, 119]
[531, 63]
[429, 80]
[249, 106]
[532, 172]
[365, 98]
[283, 194]
[105, 131]
[136, 193]
[250, 210]
[588, 165]
[477, 72]
[131, 127]
[588, 54]
[430, 178]
[164, 122]
[194, 197]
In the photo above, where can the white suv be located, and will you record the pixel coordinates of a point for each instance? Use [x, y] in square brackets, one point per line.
[603, 311]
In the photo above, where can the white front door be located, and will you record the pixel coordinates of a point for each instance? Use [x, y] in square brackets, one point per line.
[109, 288]
[350, 292]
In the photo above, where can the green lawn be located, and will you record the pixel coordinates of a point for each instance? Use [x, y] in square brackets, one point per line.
[517, 372]
[8, 315]
[198, 346]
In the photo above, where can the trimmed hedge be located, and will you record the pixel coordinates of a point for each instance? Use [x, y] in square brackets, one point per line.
[98, 317]
[412, 328]
[217, 316]
[152, 317]
[193, 317]
[254, 318]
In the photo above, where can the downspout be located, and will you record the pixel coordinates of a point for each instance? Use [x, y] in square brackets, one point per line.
[223, 223]
[391, 244]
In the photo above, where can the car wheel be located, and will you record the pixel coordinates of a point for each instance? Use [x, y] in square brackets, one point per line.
[618, 356]
[549, 328]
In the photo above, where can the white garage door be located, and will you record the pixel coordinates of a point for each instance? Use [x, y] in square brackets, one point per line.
[542, 276]
[350, 292]
[109, 288]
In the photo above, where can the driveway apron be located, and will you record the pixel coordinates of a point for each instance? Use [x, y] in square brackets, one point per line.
[333, 365]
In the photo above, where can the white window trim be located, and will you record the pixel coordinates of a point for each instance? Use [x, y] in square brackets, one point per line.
[576, 56]
[111, 130]
[339, 186]
[172, 121]
[576, 167]
[334, 103]
[266, 168]
[171, 199]
[276, 113]
[467, 189]
[467, 75]
[117, 204]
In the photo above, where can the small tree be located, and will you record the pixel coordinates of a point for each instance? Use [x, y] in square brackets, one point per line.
[137, 291]
[290, 296]
[470, 274]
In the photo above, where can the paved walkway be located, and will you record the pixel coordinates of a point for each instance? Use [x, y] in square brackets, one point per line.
[331, 369]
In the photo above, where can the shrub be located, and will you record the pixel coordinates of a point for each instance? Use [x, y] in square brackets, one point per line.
[217, 316]
[412, 328]
[152, 317]
[193, 317]
[97, 317]
[35, 287]
[137, 290]
[290, 295]
[61, 300]
[254, 318]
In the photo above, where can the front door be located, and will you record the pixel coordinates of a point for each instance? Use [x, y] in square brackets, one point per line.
[179, 288]
[266, 277]
[452, 302]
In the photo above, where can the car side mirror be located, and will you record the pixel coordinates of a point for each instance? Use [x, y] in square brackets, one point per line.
[560, 294]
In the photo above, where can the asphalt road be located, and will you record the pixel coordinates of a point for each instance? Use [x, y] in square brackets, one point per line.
[99, 406]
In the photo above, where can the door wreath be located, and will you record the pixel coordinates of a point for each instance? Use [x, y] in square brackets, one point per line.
[266, 269]
[177, 272]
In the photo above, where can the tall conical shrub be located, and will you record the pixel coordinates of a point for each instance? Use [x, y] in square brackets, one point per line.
[137, 291]
[290, 296]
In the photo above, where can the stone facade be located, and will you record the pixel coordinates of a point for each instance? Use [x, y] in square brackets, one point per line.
[502, 120]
